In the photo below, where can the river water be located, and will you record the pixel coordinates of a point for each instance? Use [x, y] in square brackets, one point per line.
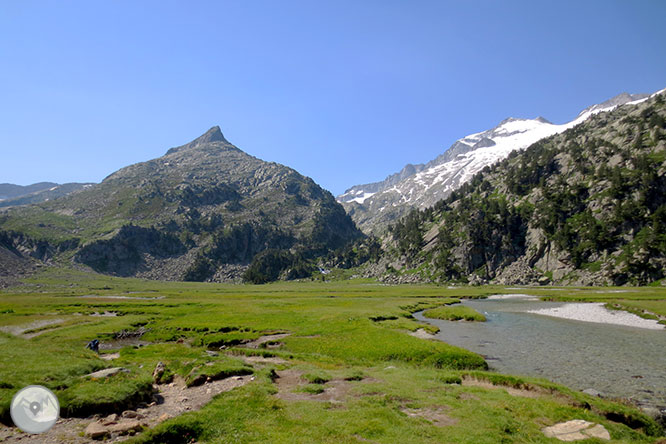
[617, 361]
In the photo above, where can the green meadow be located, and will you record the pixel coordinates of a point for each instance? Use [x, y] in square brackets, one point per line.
[353, 335]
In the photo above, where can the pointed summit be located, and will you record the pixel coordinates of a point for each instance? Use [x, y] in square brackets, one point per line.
[212, 135]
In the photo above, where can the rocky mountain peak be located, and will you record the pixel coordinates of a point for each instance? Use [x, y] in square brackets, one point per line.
[212, 135]
[611, 103]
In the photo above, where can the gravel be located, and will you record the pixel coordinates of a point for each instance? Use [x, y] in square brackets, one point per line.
[597, 313]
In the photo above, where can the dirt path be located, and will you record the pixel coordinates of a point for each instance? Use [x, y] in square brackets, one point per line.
[172, 400]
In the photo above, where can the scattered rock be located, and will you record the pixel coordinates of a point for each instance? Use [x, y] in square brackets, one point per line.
[126, 426]
[131, 414]
[113, 428]
[111, 419]
[95, 430]
[576, 430]
[106, 373]
[212, 353]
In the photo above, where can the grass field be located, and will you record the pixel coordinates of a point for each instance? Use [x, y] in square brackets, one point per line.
[350, 333]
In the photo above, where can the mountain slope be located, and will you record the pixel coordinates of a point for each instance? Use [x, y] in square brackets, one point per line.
[587, 206]
[373, 206]
[202, 211]
[11, 191]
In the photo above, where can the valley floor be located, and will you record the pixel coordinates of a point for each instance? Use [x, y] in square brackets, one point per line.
[281, 363]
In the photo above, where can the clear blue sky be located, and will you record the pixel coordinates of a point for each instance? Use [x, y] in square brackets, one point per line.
[345, 92]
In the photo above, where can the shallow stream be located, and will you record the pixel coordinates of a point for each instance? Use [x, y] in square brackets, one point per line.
[617, 361]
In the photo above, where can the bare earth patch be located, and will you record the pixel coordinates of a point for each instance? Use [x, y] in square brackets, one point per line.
[435, 415]
[289, 381]
[262, 360]
[520, 392]
[170, 401]
[422, 334]
[265, 339]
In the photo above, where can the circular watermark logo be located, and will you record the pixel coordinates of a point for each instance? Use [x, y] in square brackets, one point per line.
[34, 409]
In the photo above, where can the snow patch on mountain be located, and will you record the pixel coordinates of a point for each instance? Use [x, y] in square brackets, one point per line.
[423, 185]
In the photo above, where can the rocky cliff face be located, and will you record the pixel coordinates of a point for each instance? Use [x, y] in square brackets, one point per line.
[203, 201]
[374, 206]
[587, 206]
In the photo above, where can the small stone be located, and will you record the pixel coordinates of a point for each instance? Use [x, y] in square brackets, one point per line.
[152, 404]
[131, 414]
[212, 353]
[126, 426]
[95, 430]
[163, 417]
[236, 378]
[111, 419]
[183, 399]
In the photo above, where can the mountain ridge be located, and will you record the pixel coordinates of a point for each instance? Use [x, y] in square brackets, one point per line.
[583, 207]
[374, 206]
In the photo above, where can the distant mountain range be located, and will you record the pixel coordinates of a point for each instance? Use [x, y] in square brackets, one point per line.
[203, 211]
[373, 206]
[13, 195]
[525, 202]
